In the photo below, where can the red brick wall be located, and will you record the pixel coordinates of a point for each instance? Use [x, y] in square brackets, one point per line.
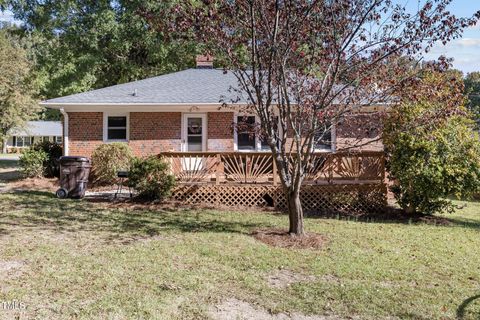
[359, 131]
[85, 132]
[220, 131]
[155, 132]
[220, 125]
[150, 132]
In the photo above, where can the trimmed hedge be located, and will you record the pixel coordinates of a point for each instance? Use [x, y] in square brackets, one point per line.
[107, 160]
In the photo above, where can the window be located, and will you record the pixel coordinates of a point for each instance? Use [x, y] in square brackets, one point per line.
[263, 142]
[27, 141]
[45, 139]
[324, 138]
[248, 137]
[58, 139]
[115, 127]
[246, 133]
[19, 142]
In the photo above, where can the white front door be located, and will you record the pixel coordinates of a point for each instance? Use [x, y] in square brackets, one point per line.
[194, 132]
[193, 140]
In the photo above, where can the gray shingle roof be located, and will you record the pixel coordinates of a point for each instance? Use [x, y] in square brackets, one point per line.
[40, 129]
[201, 86]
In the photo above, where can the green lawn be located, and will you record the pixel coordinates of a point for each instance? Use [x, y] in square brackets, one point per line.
[8, 161]
[73, 259]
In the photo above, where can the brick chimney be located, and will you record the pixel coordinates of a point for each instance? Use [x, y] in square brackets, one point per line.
[204, 62]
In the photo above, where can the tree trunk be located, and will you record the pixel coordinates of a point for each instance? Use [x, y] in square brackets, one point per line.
[295, 213]
[4, 145]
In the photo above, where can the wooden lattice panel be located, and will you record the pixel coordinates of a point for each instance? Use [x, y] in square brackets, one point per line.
[353, 198]
[225, 195]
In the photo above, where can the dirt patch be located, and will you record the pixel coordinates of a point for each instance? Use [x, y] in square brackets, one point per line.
[237, 309]
[282, 239]
[11, 269]
[284, 278]
[33, 184]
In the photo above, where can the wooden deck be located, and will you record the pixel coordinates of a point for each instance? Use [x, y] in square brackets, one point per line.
[337, 181]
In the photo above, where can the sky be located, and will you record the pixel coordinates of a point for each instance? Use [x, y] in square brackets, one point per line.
[464, 51]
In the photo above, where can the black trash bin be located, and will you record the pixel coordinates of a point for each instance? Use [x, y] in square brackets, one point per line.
[74, 172]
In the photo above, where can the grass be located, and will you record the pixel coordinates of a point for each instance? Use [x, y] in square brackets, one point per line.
[8, 162]
[89, 261]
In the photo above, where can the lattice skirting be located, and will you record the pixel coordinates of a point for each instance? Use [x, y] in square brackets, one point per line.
[358, 198]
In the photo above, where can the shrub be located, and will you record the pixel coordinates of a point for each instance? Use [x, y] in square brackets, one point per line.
[433, 152]
[107, 160]
[150, 178]
[31, 163]
[54, 151]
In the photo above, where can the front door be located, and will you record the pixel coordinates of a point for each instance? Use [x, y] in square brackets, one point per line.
[194, 140]
[194, 133]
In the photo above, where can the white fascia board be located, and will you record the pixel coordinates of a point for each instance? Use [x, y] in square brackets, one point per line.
[96, 107]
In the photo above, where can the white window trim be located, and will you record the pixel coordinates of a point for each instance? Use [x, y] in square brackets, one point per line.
[184, 144]
[258, 142]
[24, 138]
[16, 141]
[235, 132]
[105, 126]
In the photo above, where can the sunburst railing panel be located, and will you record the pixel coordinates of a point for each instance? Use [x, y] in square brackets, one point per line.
[259, 168]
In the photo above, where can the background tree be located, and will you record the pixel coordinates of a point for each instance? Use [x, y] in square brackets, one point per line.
[80, 45]
[17, 86]
[433, 150]
[304, 65]
[472, 89]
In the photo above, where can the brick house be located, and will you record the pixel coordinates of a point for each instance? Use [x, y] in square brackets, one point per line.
[181, 111]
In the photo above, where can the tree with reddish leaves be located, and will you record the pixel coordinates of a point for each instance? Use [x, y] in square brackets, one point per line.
[304, 65]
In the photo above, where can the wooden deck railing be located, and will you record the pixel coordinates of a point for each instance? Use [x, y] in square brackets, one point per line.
[259, 168]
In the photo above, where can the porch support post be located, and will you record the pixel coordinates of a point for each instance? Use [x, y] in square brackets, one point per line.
[217, 172]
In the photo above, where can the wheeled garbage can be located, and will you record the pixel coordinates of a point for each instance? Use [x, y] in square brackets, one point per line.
[74, 172]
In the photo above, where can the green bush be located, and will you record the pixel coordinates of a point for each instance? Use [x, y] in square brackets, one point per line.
[107, 160]
[150, 178]
[31, 163]
[433, 153]
[54, 151]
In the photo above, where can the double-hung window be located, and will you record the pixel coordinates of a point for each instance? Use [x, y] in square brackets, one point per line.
[19, 142]
[248, 135]
[116, 127]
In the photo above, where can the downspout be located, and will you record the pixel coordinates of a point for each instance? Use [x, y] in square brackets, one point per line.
[65, 131]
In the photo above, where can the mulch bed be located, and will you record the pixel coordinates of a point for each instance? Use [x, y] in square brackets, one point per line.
[282, 239]
[33, 184]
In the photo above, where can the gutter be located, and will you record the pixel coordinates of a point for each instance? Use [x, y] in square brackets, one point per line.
[65, 131]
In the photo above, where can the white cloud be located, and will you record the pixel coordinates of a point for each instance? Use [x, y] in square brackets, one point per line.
[467, 42]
